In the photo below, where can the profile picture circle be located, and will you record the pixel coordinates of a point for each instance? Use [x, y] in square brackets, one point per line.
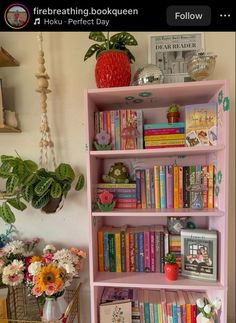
[17, 16]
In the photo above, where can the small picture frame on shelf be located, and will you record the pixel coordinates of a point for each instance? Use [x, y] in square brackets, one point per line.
[199, 254]
[171, 53]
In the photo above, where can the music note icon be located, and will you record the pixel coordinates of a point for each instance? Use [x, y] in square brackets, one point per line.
[37, 21]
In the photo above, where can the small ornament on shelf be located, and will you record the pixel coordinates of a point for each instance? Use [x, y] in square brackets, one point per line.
[173, 113]
[103, 141]
[118, 173]
[105, 201]
[130, 134]
[171, 267]
[175, 224]
[208, 311]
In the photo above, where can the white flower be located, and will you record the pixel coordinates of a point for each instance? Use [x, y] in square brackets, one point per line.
[34, 268]
[200, 303]
[11, 279]
[64, 256]
[17, 265]
[207, 309]
[69, 268]
[2, 263]
[49, 248]
[15, 247]
[117, 172]
[216, 303]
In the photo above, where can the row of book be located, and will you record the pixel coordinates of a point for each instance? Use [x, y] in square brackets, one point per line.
[168, 186]
[134, 249]
[149, 306]
[115, 122]
[164, 135]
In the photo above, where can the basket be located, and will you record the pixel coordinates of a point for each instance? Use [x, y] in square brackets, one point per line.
[22, 307]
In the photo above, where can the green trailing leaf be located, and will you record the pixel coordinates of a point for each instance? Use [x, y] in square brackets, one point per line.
[32, 166]
[11, 184]
[6, 167]
[31, 179]
[28, 192]
[64, 171]
[6, 213]
[80, 183]
[92, 49]
[39, 202]
[56, 190]
[97, 36]
[42, 173]
[42, 186]
[17, 204]
[124, 38]
[65, 188]
[7, 158]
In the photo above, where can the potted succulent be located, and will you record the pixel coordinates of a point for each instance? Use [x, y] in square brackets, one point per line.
[26, 182]
[173, 113]
[171, 267]
[113, 58]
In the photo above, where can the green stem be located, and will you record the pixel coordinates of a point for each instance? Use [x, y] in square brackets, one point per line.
[108, 41]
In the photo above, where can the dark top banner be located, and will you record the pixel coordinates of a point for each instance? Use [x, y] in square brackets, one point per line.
[91, 16]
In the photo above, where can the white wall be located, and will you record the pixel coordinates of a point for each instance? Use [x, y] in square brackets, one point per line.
[70, 75]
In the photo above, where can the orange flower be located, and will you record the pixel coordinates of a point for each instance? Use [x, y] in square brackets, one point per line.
[47, 276]
[35, 258]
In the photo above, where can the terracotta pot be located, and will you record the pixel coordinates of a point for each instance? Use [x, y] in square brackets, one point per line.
[113, 69]
[54, 205]
[171, 271]
[173, 117]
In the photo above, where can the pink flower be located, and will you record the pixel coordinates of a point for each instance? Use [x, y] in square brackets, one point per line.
[106, 197]
[47, 257]
[51, 289]
[36, 291]
[103, 138]
[79, 266]
[78, 252]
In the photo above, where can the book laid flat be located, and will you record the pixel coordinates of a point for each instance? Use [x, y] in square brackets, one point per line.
[116, 312]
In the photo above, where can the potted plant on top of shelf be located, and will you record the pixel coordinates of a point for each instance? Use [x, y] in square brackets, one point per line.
[26, 182]
[171, 267]
[173, 113]
[113, 58]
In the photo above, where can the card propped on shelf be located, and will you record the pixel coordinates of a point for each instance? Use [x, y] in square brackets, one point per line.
[115, 312]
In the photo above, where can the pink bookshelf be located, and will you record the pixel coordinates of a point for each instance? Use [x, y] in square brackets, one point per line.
[98, 163]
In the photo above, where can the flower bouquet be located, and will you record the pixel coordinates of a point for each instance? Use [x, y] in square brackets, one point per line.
[105, 201]
[208, 311]
[103, 141]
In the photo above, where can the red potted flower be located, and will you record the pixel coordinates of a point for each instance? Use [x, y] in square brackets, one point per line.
[171, 267]
[113, 58]
[105, 201]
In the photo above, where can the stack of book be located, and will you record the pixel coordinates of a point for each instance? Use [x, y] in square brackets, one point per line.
[164, 135]
[114, 122]
[124, 194]
[175, 247]
[154, 305]
[132, 249]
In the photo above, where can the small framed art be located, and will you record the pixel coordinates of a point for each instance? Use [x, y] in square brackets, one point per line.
[199, 254]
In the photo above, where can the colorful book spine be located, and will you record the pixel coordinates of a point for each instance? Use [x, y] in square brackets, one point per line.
[155, 312]
[96, 123]
[210, 186]
[131, 251]
[106, 251]
[192, 178]
[147, 260]
[113, 134]
[112, 252]
[125, 205]
[100, 252]
[127, 251]
[141, 251]
[118, 251]
[148, 191]
[136, 252]
[163, 142]
[140, 128]
[164, 146]
[123, 251]
[143, 189]
[176, 186]
[166, 137]
[117, 186]
[152, 251]
[204, 182]
[138, 188]
[186, 196]
[169, 186]
[157, 186]
[162, 251]
[123, 124]
[153, 132]
[152, 188]
[180, 180]
[164, 125]
[101, 120]
[162, 187]
[157, 251]
[117, 130]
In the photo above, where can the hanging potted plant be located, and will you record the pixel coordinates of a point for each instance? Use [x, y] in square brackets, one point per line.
[113, 58]
[173, 114]
[171, 267]
[27, 183]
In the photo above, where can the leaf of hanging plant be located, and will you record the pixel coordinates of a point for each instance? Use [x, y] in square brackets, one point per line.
[5, 170]
[11, 183]
[42, 186]
[64, 171]
[41, 201]
[92, 49]
[17, 204]
[6, 213]
[30, 179]
[28, 192]
[80, 183]
[97, 36]
[56, 190]
[32, 166]
[124, 38]
[7, 158]
[42, 173]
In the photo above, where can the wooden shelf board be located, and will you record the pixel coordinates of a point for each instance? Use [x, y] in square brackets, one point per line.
[178, 151]
[161, 212]
[8, 129]
[6, 59]
[152, 280]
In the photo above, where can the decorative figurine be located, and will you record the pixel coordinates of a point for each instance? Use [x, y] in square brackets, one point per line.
[103, 141]
[130, 134]
[105, 201]
[117, 174]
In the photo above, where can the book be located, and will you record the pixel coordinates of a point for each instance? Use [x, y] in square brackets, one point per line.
[199, 253]
[3, 305]
[116, 311]
[201, 124]
[164, 125]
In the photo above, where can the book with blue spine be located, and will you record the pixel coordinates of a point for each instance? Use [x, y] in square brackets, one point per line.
[106, 251]
[138, 188]
[146, 307]
[136, 255]
[141, 251]
[162, 187]
[152, 188]
[164, 125]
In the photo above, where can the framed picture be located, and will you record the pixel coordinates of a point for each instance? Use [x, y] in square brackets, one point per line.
[199, 254]
[172, 53]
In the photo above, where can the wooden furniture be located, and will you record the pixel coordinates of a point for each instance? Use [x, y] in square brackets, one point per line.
[98, 162]
[6, 60]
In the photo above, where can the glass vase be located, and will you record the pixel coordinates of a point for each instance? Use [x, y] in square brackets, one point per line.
[54, 308]
[202, 319]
